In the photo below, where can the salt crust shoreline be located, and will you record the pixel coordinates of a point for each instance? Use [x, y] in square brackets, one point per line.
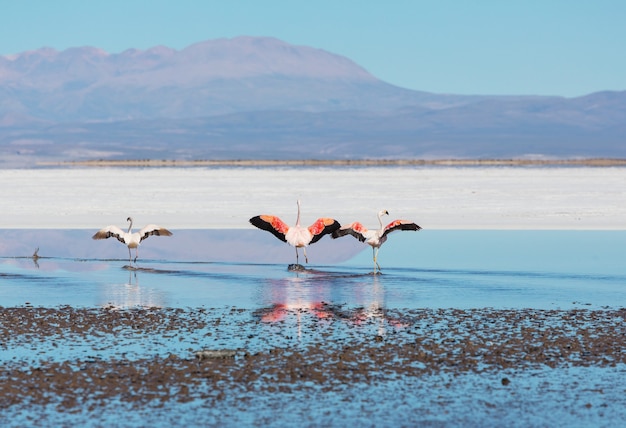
[342, 162]
[226, 196]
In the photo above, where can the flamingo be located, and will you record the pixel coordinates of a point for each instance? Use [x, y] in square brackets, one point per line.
[131, 240]
[296, 236]
[374, 238]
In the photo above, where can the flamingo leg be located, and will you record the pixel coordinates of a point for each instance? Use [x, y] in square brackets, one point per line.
[305, 257]
[130, 256]
[136, 254]
[376, 265]
[297, 261]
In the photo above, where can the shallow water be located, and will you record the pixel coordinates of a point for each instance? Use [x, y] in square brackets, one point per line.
[242, 296]
[427, 269]
[89, 283]
[579, 397]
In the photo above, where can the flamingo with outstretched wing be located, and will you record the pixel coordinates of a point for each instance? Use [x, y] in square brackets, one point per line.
[131, 240]
[374, 238]
[297, 236]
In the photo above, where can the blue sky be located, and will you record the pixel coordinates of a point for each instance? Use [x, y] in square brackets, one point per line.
[553, 47]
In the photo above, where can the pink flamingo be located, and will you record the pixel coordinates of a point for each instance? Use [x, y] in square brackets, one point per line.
[374, 238]
[296, 236]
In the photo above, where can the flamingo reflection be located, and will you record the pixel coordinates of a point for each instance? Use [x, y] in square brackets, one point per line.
[130, 295]
[303, 299]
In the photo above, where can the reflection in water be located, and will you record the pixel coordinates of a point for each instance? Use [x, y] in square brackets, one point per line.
[36, 257]
[462, 269]
[290, 297]
[315, 295]
[374, 309]
[130, 295]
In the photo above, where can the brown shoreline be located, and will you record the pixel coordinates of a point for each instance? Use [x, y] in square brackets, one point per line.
[473, 341]
[595, 162]
[430, 367]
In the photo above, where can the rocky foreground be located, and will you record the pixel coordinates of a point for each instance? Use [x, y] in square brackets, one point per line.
[79, 360]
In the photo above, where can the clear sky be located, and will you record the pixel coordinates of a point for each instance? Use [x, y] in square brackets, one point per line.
[542, 47]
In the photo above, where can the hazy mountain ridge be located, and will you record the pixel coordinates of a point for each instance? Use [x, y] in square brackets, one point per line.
[252, 97]
[204, 79]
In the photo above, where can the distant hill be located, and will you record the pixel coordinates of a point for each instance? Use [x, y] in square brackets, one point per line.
[262, 98]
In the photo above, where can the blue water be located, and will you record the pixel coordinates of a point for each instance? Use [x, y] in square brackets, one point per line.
[249, 270]
[427, 269]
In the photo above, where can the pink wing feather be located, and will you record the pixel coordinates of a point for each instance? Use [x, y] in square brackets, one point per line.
[400, 225]
[323, 226]
[272, 224]
[355, 229]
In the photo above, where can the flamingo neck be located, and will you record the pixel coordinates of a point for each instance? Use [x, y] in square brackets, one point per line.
[380, 220]
[130, 226]
[298, 218]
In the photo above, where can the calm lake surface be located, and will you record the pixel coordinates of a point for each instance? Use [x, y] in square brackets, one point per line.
[428, 269]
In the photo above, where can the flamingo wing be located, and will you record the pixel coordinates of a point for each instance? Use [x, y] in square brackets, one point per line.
[153, 229]
[272, 224]
[400, 225]
[110, 231]
[355, 229]
[323, 226]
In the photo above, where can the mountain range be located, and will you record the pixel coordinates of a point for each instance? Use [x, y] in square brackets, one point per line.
[262, 98]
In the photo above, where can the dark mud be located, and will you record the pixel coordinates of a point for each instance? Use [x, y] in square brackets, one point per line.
[61, 364]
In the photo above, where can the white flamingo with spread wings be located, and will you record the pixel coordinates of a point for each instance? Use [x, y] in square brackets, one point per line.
[131, 240]
[296, 236]
[374, 238]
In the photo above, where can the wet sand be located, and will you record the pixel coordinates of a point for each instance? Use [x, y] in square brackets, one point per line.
[390, 356]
